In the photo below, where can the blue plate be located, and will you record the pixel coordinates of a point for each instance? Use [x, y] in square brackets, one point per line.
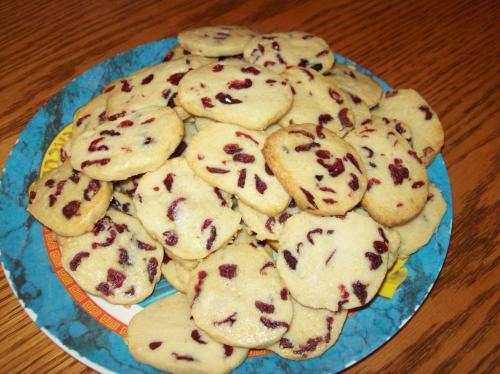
[45, 299]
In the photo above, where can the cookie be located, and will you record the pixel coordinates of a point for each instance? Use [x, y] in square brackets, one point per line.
[231, 91]
[183, 212]
[402, 128]
[214, 41]
[311, 333]
[230, 158]
[407, 106]
[322, 173]
[358, 84]
[117, 260]
[397, 180]
[153, 86]
[164, 336]
[264, 226]
[317, 101]
[280, 50]
[129, 145]
[175, 274]
[68, 202]
[334, 263]
[416, 233]
[238, 297]
[123, 203]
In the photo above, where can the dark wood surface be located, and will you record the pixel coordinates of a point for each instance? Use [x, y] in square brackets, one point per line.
[449, 51]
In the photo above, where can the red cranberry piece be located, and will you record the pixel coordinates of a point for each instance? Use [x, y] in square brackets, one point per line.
[326, 189]
[226, 98]
[93, 147]
[245, 135]
[371, 182]
[109, 89]
[116, 278]
[380, 247]
[250, 70]
[49, 183]
[102, 117]
[264, 307]
[211, 238]
[309, 74]
[369, 150]
[417, 184]
[270, 223]
[344, 119]
[375, 260]
[175, 78]
[260, 185]
[319, 131]
[81, 119]
[355, 99]
[102, 162]
[239, 85]
[171, 238]
[312, 232]
[145, 246]
[217, 68]
[354, 183]
[168, 181]
[268, 264]
[293, 90]
[268, 170]
[269, 63]
[154, 345]
[309, 197]
[351, 158]
[382, 234]
[147, 79]
[206, 224]
[114, 117]
[310, 346]
[217, 170]
[75, 262]
[103, 288]
[427, 111]
[126, 123]
[360, 291]
[92, 189]
[32, 196]
[228, 270]
[232, 148]
[303, 132]
[71, 209]
[343, 292]
[415, 156]
[182, 357]
[244, 158]
[324, 118]
[149, 120]
[275, 45]
[322, 153]
[270, 81]
[329, 201]
[168, 56]
[123, 258]
[273, 324]
[322, 53]
[290, 259]
[228, 350]
[285, 343]
[171, 211]
[230, 320]
[398, 172]
[126, 87]
[196, 336]
[218, 193]
[390, 94]
[284, 294]
[335, 96]
[130, 291]
[207, 103]
[242, 178]
[152, 268]
[306, 147]
[179, 150]
[316, 67]
[283, 217]
[334, 169]
[110, 133]
[197, 288]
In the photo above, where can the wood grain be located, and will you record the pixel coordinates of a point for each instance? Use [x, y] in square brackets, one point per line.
[448, 51]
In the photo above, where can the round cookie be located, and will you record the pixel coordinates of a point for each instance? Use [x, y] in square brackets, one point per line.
[68, 202]
[230, 158]
[238, 297]
[123, 203]
[117, 260]
[236, 92]
[397, 180]
[126, 146]
[280, 50]
[317, 101]
[407, 106]
[264, 226]
[311, 333]
[183, 212]
[215, 41]
[360, 85]
[322, 173]
[418, 231]
[177, 275]
[335, 263]
[153, 86]
[400, 127]
[164, 336]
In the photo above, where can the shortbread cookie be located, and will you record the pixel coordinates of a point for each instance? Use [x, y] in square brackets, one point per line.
[117, 260]
[402, 128]
[323, 173]
[67, 201]
[419, 230]
[397, 179]
[358, 84]
[238, 297]
[164, 336]
[335, 263]
[311, 332]
[408, 106]
[230, 158]
[177, 275]
[153, 86]
[123, 203]
[280, 50]
[231, 91]
[264, 226]
[360, 111]
[183, 212]
[317, 101]
[135, 143]
[214, 41]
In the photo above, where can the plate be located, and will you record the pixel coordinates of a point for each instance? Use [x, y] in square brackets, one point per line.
[90, 329]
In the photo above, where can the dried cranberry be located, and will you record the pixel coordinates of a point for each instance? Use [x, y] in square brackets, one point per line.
[126, 123]
[380, 247]
[303, 132]
[242, 178]
[226, 98]
[49, 183]
[93, 145]
[309, 197]
[322, 153]
[218, 193]
[175, 78]
[211, 238]
[417, 184]
[239, 85]
[182, 357]
[371, 182]
[270, 223]
[310, 346]
[245, 135]
[354, 183]
[147, 79]
[355, 99]
[196, 336]
[228, 270]
[92, 189]
[268, 170]
[273, 324]
[81, 119]
[71, 209]
[217, 68]
[290, 259]
[171, 211]
[230, 320]
[427, 111]
[324, 118]
[216, 170]
[126, 87]
[171, 238]
[110, 133]
[103, 287]
[360, 291]
[375, 260]
[152, 268]
[260, 185]
[168, 181]
[250, 70]
[149, 120]
[244, 158]
[351, 158]
[32, 196]
[123, 258]
[228, 350]
[206, 224]
[312, 232]
[114, 117]
[264, 307]
[232, 148]
[75, 262]
[330, 256]
[154, 345]
[285, 343]
[334, 169]
[369, 150]
[102, 162]
[344, 119]
[284, 294]
[415, 156]
[145, 246]
[335, 96]
[207, 102]
[398, 172]
[268, 264]
[116, 278]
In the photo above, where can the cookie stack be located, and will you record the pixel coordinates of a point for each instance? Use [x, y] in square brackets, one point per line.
[271, 187]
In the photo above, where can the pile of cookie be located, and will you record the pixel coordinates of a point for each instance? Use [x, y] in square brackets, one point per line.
[271, 187]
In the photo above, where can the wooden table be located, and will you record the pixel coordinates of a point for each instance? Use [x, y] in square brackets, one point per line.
[448, 51]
